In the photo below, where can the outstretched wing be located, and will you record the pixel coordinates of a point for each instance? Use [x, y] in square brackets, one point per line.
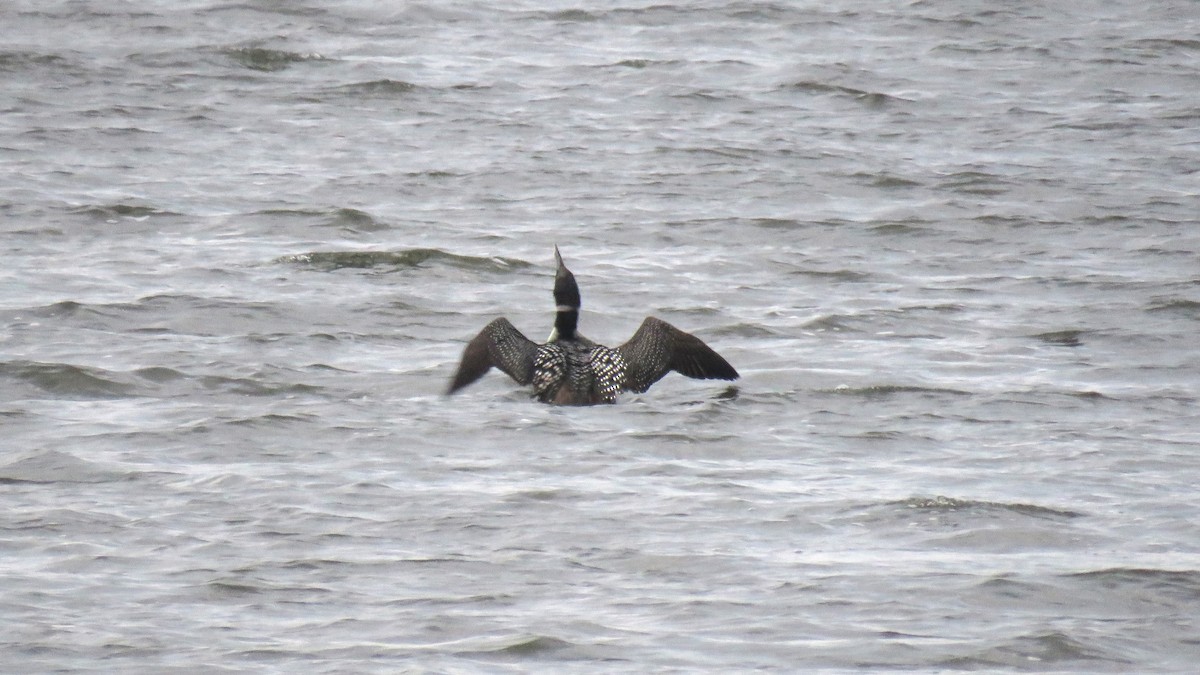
[498, 345]
[658, 348]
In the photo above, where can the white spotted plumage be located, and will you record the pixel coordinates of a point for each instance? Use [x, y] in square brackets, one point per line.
[549, 368]
[608, 372]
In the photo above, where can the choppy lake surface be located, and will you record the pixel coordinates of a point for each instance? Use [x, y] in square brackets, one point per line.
[951, 247]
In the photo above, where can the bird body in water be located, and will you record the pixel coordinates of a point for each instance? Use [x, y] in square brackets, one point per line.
[570, 369]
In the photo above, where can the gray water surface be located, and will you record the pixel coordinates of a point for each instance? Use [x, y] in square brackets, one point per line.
[951, 247]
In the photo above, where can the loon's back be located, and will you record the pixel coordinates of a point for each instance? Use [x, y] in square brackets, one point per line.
[577, 372]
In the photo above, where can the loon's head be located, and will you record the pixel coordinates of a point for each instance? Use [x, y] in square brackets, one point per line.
[566, 302]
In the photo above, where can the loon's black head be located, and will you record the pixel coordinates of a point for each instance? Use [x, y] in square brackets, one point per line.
[566, 301]
[566, 291]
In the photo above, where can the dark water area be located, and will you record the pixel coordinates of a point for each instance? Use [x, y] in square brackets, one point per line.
[951, 248]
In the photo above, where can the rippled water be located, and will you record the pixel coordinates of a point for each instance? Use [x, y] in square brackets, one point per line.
[951, 247]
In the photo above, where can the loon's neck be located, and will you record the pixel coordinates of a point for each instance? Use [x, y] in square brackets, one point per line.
[565, 322]
[566, 301]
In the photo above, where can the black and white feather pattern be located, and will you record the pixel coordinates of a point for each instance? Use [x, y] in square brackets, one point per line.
[498, 345]
[658, 348]
[608, 369]
[549, 370]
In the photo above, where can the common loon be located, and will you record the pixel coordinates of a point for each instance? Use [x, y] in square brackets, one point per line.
[570, 369]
